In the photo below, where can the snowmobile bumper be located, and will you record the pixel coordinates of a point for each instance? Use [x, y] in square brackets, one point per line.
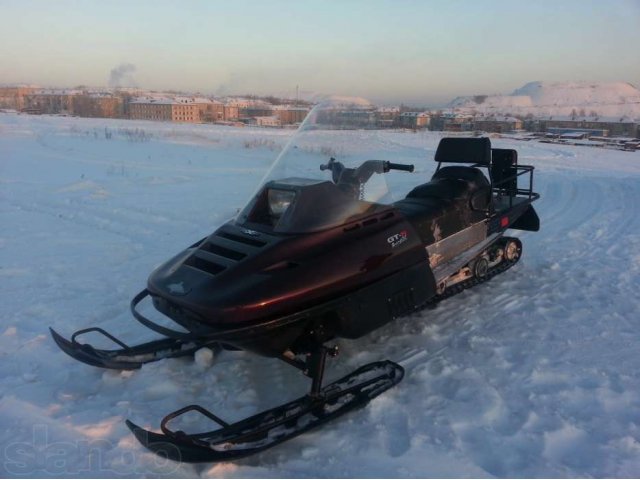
[126, 357]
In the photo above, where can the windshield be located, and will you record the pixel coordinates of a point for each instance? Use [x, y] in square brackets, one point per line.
[329, 173]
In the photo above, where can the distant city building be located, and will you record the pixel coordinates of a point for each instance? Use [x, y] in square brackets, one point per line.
[290, 115]
[497, 124]
[181, 110]
[356, 117]
[97, 105]
[50, 101]
[231, 112]
[255, 111]
[212, 111]
[415, 120]
[457, 122]
[577, 133]
[151, 109]
[618, 126]
[272, 111]
[388, 117]
[268, 121]
[14, 97]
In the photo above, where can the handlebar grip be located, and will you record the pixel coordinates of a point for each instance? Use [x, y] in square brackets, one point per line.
[401, 166]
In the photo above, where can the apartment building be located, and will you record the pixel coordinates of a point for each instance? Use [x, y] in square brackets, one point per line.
[14, 97]
[101, 105]
[497, 124]
[415, 120]
[50, 101]
[614, 126]
[289, 115]
[387, 117]
[179, 110]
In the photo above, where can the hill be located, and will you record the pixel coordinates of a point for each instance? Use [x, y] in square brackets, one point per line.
[615, 99]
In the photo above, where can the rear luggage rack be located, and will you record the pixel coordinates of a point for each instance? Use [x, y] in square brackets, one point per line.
[504, 172]
[501, 163]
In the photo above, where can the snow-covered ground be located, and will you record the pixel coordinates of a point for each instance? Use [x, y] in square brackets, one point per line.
[535, 373]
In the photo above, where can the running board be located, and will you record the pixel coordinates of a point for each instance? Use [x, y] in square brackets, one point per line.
[445, 270]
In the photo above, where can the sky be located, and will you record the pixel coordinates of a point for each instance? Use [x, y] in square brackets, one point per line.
[422, 52]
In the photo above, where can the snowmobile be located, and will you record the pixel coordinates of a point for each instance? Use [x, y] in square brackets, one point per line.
[321, 252]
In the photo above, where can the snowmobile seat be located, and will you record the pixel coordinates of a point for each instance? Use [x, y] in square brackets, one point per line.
[442, 207]
[434, 218]
[452, 183]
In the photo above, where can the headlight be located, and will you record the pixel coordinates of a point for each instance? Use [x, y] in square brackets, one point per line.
[279, 201]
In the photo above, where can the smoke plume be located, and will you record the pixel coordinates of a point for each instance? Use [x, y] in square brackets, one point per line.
[122, 76]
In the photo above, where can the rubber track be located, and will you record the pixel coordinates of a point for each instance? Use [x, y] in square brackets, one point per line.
[473, 281]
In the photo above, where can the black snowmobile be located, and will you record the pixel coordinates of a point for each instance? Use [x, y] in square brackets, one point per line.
[322, 252]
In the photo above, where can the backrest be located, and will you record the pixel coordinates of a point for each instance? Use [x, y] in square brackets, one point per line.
[503, 166]
[464, 150]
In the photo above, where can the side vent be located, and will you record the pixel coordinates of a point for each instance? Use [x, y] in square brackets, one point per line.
[223, 251]
[254, 242]
[199, 263]
[369, 221]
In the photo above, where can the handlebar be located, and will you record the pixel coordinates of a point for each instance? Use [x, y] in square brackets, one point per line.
[353, 179]
[398, 166]
[375, 164]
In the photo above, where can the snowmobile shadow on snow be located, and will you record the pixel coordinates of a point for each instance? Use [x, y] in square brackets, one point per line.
[322, 252]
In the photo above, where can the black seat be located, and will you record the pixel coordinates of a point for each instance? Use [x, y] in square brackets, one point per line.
[451, 183]
[442, 207]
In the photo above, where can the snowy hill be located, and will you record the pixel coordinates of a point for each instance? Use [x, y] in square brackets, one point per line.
[532, 374]
[615, 99]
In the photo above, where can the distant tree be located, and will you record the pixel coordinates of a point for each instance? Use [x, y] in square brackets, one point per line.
[582, 113]
[574, 114]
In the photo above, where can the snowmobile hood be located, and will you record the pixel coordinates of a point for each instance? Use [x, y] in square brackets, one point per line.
[239, 275]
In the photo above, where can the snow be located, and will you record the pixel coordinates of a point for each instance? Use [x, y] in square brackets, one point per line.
[204, 357]
[558, 99]
[533, 374]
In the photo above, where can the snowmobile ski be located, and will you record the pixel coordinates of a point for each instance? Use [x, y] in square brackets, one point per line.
[271, 427]
[126, 357]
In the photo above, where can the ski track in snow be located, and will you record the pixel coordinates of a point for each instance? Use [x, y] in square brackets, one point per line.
[532, 374]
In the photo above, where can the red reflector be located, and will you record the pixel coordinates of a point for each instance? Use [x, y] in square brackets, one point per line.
[504, 222]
